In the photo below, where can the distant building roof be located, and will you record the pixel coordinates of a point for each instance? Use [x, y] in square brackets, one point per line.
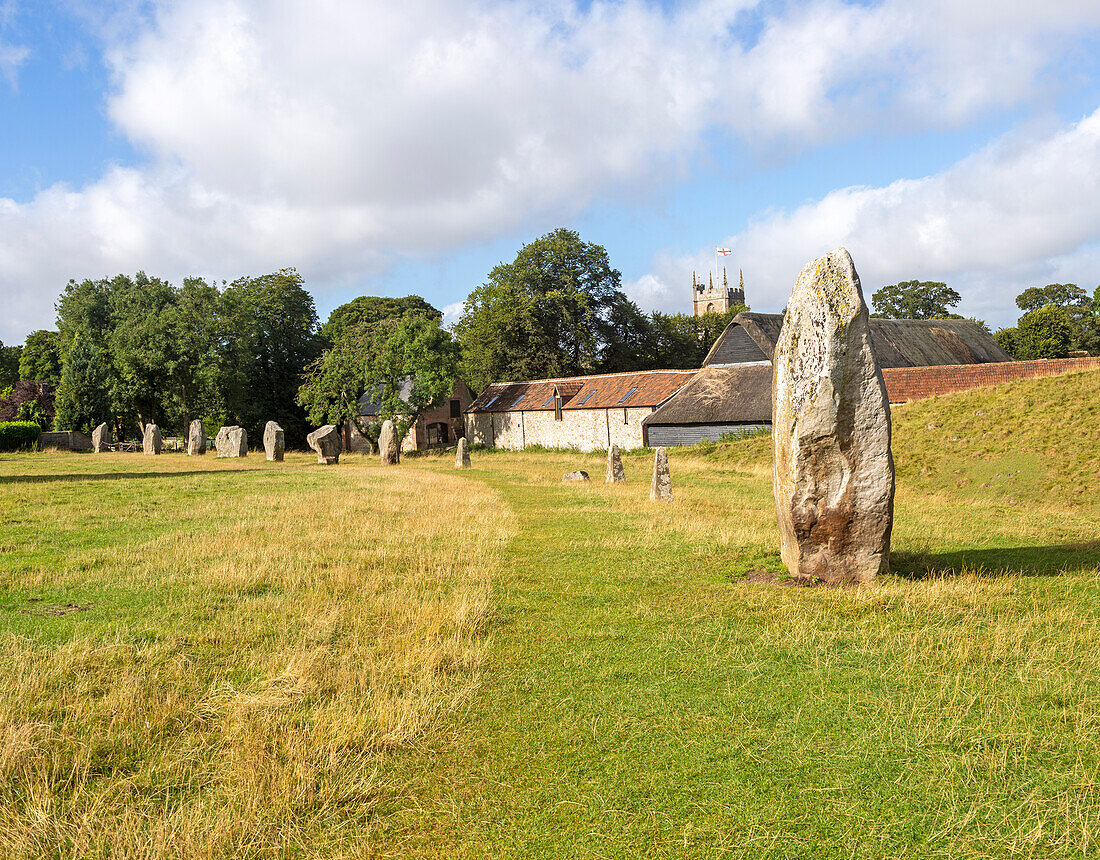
[751, 337]
[601, 391]
[738, 394]
[369, 403]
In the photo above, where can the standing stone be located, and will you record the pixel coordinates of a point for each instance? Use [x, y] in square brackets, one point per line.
[232, 442]
[615, 474]
[661, 487]
[833, 473]
[579, 475]
[196, 439]
[274, 442]
[101, 438]
[462, 455]
[150, 439]
[326, 442]
[388, 450]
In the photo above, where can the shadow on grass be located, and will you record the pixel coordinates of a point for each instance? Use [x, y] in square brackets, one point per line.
[115, 476]
[1017, 560]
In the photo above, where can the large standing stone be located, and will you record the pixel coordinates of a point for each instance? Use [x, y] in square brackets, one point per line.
[661, 487]
[150, 439]
[833, 473]
[232, 442]
[389, 451]
[615, 474]
[274, 442]
[462, 455]
[326, 442]
[101, 438]
[196, 439]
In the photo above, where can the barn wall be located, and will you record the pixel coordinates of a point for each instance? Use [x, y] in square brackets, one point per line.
[671, 435]
[584, 429]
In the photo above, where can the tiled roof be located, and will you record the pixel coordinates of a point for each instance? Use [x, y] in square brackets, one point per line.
[650, 387]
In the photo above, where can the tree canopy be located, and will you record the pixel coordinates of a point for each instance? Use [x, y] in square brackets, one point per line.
[1057, 320]
[547, 313]
[370, 351]
[915, 300]
[9, 365]
[168, 355]
[558, 310]
[40, 360]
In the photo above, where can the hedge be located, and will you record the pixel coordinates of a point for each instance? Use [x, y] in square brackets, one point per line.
[18, 434]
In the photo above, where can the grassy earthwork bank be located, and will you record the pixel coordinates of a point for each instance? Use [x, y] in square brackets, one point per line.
[206, 658]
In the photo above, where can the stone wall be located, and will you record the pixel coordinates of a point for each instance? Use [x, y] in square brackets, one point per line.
[584, 429]
[356, 443]
[65, 440]
[915, 383]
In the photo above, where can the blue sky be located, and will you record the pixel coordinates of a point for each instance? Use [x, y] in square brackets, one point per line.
[395, 148]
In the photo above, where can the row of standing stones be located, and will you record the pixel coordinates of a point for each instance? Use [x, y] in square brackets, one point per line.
[660, 488]
[832, 466]
[230, 442]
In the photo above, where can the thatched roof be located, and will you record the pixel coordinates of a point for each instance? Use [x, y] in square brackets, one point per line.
[739, 394]
[897, 343]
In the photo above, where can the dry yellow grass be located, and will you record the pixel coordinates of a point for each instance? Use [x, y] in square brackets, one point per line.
[271, 643]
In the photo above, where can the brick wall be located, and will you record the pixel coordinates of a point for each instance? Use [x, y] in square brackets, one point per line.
[915, 383]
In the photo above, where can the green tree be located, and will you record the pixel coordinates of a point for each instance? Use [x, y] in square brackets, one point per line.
[417, 350]
[84, 308]
[915, 300]
[195, 333]
[366, 312]
[9, 365]
[140, 347]
[82, 400]
[1007, 340]
[683, 340]
[1082, 311]
[40, 360]
[333, 384]
[1045, 332]
[270, 333]
[547, 313]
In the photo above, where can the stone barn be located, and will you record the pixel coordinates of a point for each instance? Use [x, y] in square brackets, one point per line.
[590, 413]
[732, 392]
[437, 427]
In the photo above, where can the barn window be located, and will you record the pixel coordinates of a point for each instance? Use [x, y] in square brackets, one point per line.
[589, 394]
[517, 400]
[624, 415]
[623, 398]
[557, 407]
[456, 409]
[490, 403]
[549, 400]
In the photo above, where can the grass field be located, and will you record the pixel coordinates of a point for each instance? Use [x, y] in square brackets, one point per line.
[206, 658]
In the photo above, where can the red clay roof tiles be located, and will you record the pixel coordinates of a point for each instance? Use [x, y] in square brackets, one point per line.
[601, 391]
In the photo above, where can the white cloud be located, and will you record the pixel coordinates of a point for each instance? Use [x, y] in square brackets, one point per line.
[452, 312]
[336, 135]
[1021, 212]
[12, 58]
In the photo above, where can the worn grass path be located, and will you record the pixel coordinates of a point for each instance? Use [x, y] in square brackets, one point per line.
[638, 700]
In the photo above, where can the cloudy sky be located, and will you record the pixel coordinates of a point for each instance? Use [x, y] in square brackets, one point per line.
[393, 148]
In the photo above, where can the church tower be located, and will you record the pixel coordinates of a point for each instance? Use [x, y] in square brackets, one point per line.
[710, 299]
